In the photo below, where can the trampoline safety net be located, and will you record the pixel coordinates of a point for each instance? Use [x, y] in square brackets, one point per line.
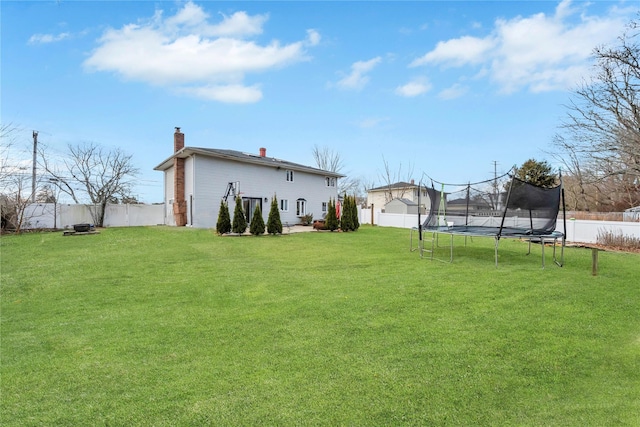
[518, 209]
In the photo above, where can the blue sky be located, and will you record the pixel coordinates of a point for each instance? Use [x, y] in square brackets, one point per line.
[440, 88]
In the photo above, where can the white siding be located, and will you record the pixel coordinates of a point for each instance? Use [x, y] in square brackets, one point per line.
[188, 187]
[168, 198]
[212, 175]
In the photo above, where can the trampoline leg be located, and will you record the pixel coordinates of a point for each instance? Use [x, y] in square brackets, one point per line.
[561, 263]
[497, 242]
[542, 244]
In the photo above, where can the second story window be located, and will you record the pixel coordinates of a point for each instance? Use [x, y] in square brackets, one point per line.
[290, 176]
[331, 182]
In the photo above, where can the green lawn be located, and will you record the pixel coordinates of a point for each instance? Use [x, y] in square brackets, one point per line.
[177, 326]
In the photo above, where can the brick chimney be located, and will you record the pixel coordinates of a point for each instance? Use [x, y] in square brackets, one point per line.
[263, 152]
[178, 140]
[179, 201]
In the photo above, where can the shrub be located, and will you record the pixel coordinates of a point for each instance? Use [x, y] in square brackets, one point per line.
[239, 221]
[352, 211]
[617, 240]
[223, 226]
[257, 223]
[307, 219]
[345, 219]
[332, 220]
[274, 225]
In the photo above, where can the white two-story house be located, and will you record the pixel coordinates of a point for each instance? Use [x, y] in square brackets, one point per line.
[197, 179]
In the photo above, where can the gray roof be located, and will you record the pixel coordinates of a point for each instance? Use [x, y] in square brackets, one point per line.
[405, 201]
[238, 156]
[394, 186]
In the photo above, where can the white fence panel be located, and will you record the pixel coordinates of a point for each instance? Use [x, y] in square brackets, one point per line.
[51, 215]
[578, 231]
[586, 231]
[40, 215]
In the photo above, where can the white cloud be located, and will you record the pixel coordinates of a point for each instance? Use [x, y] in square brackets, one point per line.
[358, 77]
[188, 54]
[453, 92]
[457, 52]
[537, 53]
[233, 93]
[47, 38]
[313, 37]
[413, 88]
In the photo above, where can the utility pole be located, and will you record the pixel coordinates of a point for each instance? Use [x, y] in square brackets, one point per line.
[33, 176]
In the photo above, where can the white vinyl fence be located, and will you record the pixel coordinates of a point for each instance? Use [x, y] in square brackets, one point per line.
[55, 215]
[578, 231]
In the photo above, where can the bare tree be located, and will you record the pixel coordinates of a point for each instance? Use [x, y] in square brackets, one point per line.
[394, 187]
[330, 160]
[91, 173]
[601, 134]
[16, 188]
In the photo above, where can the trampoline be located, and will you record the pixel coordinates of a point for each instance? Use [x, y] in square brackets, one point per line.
[521, 211]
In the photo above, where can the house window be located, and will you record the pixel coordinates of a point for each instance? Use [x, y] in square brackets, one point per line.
[284, 205]
[290, 176]
[331, 182]
[301, 207]
[324, 207]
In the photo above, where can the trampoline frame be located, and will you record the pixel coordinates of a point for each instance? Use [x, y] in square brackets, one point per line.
[531, 235]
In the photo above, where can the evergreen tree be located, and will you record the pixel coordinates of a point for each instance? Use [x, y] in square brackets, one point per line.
[345, 220]
[257, 223]
[274, 225]
[223, 226]
[537, 173]
[331, 221]
[355, 222]
[239, 221]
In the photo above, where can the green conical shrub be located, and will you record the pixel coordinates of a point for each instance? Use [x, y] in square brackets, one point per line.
[257, 223]
[274, 225]
[239, 221]
[354, 213]
[223, 226]
[345, 219]
[355, 222]
[331, 221]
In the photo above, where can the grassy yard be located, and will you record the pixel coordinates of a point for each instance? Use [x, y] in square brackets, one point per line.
[177, 326]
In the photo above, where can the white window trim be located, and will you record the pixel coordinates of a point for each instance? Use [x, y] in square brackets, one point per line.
[289, 177]
[284, 205]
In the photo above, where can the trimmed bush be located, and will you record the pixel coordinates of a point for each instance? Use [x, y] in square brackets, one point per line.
[332, 222]
[274, 225]
[257, 223]
[223, 226]
[239, 221]
[349, 221]
[345, 219]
